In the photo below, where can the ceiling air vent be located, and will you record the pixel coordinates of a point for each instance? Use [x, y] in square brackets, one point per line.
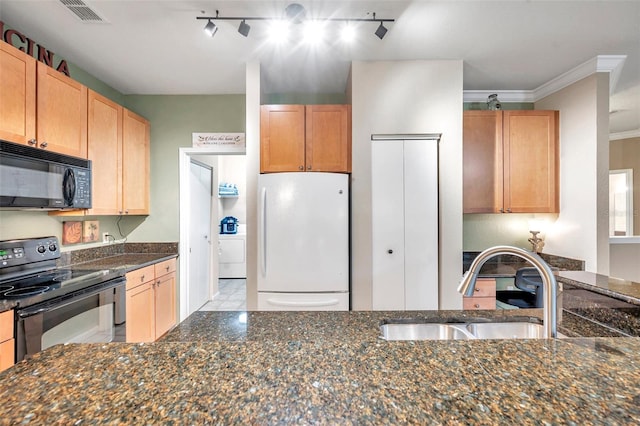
[82, 11]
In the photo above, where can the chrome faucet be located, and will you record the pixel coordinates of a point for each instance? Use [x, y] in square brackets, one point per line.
[468, 283]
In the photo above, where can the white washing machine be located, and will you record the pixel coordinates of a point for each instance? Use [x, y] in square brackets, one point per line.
[232, 254]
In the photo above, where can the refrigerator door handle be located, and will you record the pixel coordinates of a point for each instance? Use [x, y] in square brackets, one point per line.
[263, 231]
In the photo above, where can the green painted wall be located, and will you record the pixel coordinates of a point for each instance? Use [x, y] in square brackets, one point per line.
[94, 84]
[304, 98]
[173, 119]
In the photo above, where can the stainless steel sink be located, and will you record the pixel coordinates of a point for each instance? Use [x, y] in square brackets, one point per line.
[506, 330]
[405, 330]
[421, 331]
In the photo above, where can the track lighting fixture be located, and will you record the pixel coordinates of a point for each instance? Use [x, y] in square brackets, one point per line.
[381, 31]
[244, 28]
[293, 14]
[211, 29]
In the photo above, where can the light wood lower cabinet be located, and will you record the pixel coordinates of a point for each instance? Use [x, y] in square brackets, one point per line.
[165, 300]
[484, 296]
[151, 301]
[7, 341]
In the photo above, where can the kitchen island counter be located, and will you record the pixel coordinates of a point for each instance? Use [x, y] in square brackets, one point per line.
[326, 368]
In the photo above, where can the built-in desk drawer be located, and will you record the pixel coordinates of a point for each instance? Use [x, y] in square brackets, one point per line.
[484, 296]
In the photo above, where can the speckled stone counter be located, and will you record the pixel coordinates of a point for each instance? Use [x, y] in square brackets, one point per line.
[282, 368]
[628, 291]
[126, 262]
[602, 301]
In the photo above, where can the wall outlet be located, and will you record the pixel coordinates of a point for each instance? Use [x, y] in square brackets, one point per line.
[105, 237]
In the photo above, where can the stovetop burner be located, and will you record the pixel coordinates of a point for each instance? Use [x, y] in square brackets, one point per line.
[25, 291]
[28, 273]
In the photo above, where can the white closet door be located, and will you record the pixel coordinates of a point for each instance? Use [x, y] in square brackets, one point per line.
[404, 204]
[421, 224]
[387, 211]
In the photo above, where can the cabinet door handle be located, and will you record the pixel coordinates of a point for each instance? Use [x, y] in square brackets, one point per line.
[142, 278]
[32, 142]
[477, 306]
[508, 210]
[167, 269]
[308, 167]
[301, 168]
[44, 145]
[501, 210]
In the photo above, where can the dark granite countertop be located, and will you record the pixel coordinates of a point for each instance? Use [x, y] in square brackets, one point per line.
[325, 368]
[127, 261]
[629, 291]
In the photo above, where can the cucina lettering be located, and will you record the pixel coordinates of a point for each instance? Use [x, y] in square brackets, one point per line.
[25, 44]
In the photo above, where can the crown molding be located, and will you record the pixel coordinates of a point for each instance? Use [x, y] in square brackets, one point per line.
[625, 135]
[601, 63]
[503, 95]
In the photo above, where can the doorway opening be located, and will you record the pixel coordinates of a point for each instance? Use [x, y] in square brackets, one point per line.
[203, 204]
[621, 202]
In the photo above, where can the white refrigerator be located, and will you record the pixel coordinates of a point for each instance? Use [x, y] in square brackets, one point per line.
[303, 241]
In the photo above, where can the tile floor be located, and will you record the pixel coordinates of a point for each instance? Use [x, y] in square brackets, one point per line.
[232, 296]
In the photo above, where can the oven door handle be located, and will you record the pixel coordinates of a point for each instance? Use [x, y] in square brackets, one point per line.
[56, 303]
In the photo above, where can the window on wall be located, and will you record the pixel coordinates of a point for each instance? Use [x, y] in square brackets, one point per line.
[621, 202]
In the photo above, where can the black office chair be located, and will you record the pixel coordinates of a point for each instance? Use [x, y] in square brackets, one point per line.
[530, 295]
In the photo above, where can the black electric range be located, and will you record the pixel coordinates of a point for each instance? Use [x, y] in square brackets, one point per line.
[29, 276]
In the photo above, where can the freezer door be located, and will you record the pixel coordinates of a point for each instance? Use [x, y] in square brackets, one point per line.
[303, 232]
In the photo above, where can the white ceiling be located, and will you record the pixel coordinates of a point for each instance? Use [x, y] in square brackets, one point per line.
[158, 46]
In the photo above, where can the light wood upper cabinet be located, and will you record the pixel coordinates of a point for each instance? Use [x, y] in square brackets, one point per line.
[40, 106]
[511, 162]
[18, 95]
[135, 164]
[328, 138]
[105, 153]
[118, 147]
[282, 138]
[61, 123]
[305, 138]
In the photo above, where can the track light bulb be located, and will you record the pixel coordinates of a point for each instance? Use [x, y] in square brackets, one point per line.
[211, 29]
[381, 31]
[348, 33]
[279, 31]
[244, 28]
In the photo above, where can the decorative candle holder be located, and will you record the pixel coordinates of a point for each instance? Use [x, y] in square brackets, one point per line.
[537, 243]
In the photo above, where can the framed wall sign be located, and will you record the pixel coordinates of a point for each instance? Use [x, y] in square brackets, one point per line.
[224, 142]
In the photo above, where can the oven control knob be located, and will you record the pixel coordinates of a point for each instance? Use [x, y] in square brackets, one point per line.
[53, 247]
[41, 249]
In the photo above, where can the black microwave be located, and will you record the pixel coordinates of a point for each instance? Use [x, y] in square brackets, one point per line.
[32, 178]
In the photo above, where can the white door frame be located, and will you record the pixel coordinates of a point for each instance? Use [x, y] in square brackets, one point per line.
[184, 161]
